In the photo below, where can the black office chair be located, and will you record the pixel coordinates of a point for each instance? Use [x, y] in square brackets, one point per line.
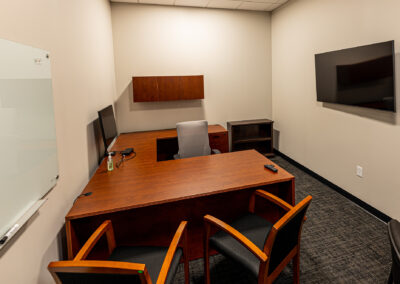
[144, 265]
[261, 247]
[394, 237]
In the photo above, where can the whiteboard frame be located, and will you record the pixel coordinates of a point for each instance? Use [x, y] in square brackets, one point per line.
[22, 221]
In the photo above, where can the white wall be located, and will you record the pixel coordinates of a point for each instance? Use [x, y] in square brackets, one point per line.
[331, 139]
[230, 48]
[79, 38]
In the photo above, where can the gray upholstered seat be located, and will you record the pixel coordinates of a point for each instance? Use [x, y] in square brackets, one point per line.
[253, 227]
[193, 139]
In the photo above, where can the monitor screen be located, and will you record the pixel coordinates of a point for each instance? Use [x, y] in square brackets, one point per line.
[108, 126]
[360, 76]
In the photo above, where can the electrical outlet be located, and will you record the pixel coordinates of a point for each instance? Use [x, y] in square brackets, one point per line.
[359, 171]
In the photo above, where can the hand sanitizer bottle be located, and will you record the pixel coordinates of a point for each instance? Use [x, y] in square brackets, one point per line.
[110, 163]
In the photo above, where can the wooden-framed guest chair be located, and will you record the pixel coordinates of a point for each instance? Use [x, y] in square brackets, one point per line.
[394, 237]
[261, 247]
[144, 265]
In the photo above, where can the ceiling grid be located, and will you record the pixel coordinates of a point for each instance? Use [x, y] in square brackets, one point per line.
[253, 5]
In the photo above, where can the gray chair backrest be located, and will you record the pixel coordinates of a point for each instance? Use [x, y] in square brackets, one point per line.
[193, 139]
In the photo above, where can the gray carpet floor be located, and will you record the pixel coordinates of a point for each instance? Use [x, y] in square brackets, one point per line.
[341, 243]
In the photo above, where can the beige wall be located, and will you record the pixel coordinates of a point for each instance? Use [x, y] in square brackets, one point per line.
[78, 35]
[331, 139]
[231, 49]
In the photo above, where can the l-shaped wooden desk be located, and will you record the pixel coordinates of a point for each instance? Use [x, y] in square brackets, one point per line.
[146, 199]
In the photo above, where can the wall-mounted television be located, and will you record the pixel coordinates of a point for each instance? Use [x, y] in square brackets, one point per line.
[108, 127]
[362, 76]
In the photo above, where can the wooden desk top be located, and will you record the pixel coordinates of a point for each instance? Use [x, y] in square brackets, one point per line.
[143, 181]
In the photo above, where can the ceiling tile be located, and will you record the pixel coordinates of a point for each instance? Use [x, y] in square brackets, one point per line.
[192, 3]
[158, 2]
[254, 6]
[224, 4]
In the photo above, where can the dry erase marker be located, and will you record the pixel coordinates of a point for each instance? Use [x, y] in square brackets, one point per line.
[9, 234]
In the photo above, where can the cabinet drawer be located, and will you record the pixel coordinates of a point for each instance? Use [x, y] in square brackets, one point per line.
[219, 141]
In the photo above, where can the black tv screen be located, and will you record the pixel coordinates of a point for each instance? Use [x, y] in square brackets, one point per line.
[108, 126]
[360, 76]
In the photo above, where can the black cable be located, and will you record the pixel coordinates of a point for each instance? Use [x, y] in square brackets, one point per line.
[120, 161]
[123, 159]
[83, 194]
[134, 155]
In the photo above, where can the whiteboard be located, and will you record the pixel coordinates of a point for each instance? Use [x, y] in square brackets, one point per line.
[28, 150]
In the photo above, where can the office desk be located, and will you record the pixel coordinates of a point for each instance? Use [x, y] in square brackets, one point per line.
[146, 199]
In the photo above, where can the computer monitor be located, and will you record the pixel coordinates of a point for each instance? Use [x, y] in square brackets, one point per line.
[108, 127]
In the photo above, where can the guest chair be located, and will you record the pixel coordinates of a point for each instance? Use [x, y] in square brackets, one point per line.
[394, 237]
[193, 139]
[144, 265]
[256, 244]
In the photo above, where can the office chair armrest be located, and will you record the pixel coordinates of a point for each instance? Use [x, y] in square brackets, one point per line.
[215, 151]
[270, 197]
[105, 228]
[210, 220]
[180, 235]
[100, 267]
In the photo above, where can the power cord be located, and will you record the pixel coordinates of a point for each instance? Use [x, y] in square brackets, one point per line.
[83, 194]
[123, 159]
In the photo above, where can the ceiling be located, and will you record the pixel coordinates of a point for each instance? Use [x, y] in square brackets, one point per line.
[255, 5]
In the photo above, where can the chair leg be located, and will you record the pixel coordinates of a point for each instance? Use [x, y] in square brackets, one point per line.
[262, 275]
[296, 268]
[206, 268]
[186, 260]
[206, 255]
[390, 280]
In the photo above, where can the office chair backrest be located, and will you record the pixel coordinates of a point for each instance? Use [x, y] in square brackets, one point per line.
[193, 139]
[394, 237]
[285, 235]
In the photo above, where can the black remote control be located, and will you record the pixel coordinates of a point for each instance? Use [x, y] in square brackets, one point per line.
[271, 168]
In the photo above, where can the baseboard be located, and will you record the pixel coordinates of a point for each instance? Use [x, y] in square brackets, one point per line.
[380, 215]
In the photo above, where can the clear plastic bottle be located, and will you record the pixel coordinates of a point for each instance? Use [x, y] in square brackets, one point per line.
[110, 163]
